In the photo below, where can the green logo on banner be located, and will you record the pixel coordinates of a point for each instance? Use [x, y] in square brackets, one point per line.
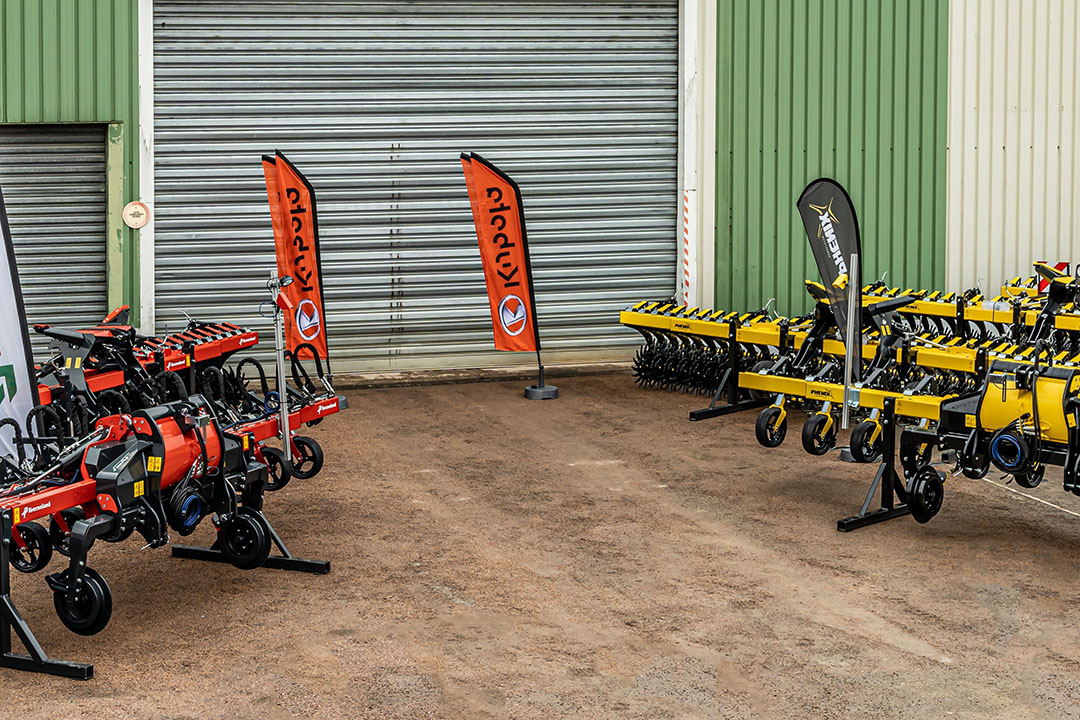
[7, 382]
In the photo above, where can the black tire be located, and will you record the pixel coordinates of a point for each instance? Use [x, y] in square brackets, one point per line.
[38, 550]
[92, 608]
[757, 395]
[61, 539]
[768, 432]
[278, 473]
[812, 439]
[1032, 479]
[308, 461]
[926, 494]
[245, 540]
[863, 449]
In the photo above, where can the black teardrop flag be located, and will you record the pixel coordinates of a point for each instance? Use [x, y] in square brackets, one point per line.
[833, 231]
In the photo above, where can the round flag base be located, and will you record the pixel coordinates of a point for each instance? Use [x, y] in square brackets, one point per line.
[541, 392]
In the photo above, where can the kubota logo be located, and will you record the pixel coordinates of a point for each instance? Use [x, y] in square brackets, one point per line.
[512, 315]
[826, 220]
[308, 323]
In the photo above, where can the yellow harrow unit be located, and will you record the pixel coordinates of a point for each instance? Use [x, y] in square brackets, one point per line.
[992, 381]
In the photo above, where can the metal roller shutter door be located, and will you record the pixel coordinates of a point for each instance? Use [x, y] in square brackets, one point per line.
[374, 102]
[53, 179]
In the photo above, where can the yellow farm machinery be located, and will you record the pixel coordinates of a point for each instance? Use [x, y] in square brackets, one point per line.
[989, 381]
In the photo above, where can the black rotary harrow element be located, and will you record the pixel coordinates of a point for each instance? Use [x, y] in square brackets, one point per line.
[680, 363]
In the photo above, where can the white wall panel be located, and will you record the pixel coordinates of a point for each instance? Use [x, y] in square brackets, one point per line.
[1013, 138]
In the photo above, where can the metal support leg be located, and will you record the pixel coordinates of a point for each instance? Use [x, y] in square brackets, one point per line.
[729, 385]
[890, 482]
[285, 561]
[36, 660]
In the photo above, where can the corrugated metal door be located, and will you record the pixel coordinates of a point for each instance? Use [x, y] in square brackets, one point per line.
[1014, 139]
[53, 178]
[374, 102]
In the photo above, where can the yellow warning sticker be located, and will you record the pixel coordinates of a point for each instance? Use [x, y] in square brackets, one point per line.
[153, 464]
[969, 421]
[139, 488]
[16, 516]
[1070, 420]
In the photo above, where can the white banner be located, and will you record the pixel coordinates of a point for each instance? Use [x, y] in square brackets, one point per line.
[18, 386]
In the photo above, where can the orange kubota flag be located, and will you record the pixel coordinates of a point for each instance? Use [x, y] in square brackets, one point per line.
[296, 236]
[504, 250]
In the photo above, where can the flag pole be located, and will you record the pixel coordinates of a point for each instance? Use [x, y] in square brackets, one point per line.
[541, 390]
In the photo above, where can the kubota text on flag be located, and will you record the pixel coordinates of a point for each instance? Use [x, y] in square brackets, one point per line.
[296, 237]
[504, 250]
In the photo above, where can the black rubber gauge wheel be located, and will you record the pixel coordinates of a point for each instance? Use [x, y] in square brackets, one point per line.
[863, 449]
[926, 494]
[309, 458]
[92, 607]
[279, 473]
[770, 429]
[245, 540]
[38, 550]
[815, 439]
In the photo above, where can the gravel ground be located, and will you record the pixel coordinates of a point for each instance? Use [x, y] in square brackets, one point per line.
[595, 556]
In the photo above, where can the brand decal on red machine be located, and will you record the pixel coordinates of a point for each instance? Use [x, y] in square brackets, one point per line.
[177, 364]
[512, 315]
[37, 508]
[326, 408]
[308, 322]
[247, 341]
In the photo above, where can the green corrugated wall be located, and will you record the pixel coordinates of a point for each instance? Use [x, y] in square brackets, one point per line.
[843, 88]
[68, 61]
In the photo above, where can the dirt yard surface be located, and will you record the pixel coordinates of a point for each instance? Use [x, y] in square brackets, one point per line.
[594, 556]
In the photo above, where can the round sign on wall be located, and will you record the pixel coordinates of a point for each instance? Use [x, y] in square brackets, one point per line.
[136, 214]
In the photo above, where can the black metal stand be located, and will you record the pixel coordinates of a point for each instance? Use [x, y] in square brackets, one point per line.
[892, 485]
[285, 561]
[37, 660]
[729, 386]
